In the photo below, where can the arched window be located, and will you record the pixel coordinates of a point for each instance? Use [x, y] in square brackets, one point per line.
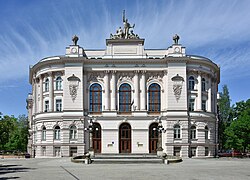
[193, 132]
[59, 83]
[125, 98]
[206, 133]
[46, 85]
[57, 133]
[73, 132]
[154, 98]
[95, 98]
[44, 133]
[177, 131]
[203, 84]
[191, 83]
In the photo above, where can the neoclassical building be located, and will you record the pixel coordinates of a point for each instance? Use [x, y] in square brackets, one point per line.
[123, 99]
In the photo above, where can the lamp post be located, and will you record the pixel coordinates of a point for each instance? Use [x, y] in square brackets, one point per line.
[90, 130]
[160, 130]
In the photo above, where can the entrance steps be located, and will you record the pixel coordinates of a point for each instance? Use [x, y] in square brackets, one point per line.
[126, 159]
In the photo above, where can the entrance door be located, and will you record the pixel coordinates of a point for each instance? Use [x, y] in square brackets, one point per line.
[97, 137]
[153, 138]
[125, 138]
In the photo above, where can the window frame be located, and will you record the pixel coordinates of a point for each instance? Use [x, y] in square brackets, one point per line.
[125, 94]
[58, 105]
[46, 106]
[44, 133]
[46, 85]
[154, 98]
[203, 84]
[193, 132]
[177, 131]
[59, 83]
[95, 98]
[73, 132]
[191, 104]
[191, 83]
[57, 133]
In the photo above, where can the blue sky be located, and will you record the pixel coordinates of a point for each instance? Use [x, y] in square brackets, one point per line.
[32, 30]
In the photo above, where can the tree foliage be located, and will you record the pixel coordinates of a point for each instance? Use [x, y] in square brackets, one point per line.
[13, 133]
[238, 132]
[225, 112]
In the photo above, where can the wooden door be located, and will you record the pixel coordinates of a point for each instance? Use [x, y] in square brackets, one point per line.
[97, 137]
[153, 138]
[125, 138]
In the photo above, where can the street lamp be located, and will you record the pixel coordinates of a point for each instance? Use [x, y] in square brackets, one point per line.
[90, 130]
[160, 130]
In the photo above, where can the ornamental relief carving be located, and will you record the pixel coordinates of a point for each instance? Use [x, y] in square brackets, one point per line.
[95, 77]
[155, 76]
[177, 86]
[125, 77]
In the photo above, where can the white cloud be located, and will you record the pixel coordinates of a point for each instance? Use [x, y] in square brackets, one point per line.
[211, 28]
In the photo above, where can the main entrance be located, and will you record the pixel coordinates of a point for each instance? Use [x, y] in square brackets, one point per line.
[153, 138]
[97, 137]
[125, 138]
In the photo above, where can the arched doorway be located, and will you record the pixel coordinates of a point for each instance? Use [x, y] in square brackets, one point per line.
[125, 138]
[97, 137]
[153, 138]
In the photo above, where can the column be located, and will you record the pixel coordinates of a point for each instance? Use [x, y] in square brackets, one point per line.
[34, 110]
[51, 92]
[143, 91]
[136, 86]
[199, 98]
[113, 91]
[41, 93]
[209, 97]
[85, 91]
[165, 84]
[106, 90]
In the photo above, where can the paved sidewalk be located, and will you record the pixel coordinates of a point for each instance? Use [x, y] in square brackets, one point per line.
[193, 169]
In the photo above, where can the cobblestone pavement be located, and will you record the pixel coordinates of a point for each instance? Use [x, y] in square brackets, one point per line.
[63, 168]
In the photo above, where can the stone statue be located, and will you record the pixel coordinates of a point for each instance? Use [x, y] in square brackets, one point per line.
[75, 39]
[124, 33]
[176, 38]
[126, 26]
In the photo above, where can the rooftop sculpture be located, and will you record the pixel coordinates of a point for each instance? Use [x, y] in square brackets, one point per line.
[125, 33]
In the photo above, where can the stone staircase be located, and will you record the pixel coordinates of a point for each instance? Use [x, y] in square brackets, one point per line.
[126, 159]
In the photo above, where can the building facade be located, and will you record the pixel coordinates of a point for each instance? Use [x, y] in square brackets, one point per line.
[123, 99]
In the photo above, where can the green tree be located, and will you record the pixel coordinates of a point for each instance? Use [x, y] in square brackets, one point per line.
[238, 133]
[225, 115]
[13, 133]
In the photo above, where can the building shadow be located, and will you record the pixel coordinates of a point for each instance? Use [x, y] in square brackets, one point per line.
[8, 169]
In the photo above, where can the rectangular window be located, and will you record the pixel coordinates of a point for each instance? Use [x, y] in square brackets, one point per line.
[206, 151]
[57, 151]
[58, 105]
[193, 151]
[57, 134]
[203, 105]
[191, 104]
[177, 151]
[73, 151]
[46, 108]
[43, 135]
[43, 150]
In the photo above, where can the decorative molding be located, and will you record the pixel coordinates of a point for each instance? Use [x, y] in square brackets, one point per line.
[155, 76]
[73, 86]
[177, 86]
